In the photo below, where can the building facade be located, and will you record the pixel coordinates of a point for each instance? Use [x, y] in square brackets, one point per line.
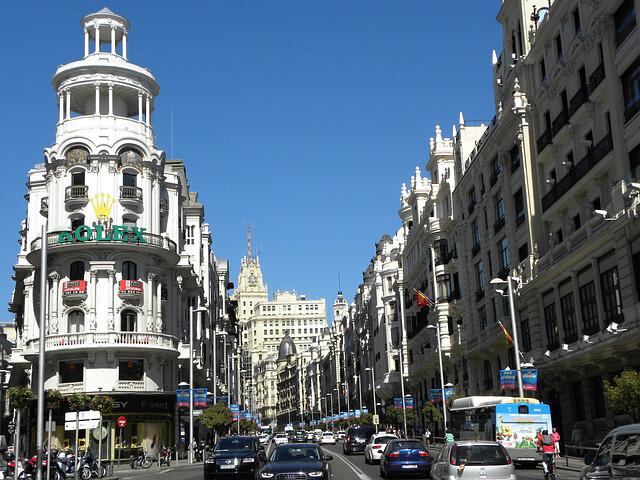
[129, 251]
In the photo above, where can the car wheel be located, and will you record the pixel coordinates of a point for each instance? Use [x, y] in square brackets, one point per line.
[366, 459]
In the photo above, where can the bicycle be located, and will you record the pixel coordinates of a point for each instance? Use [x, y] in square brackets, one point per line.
[549, 466]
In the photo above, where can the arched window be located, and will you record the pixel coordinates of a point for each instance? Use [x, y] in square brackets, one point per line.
[129, 271]
[76, 271]
[77, 221]
[76, 321]
[128, 321]
[129, 221]
[129, 179]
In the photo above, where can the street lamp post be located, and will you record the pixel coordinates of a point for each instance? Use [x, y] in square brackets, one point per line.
[339, 404]
[442, 385]
[41, 349]
[357, 379]
[373, 381]
[191, 310]
[346, 387]
[401, 341]
[512, 314]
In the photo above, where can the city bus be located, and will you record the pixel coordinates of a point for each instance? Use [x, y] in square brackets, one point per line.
[513, 422]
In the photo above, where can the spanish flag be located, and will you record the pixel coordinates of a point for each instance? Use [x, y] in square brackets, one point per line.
[422, 300]
[506, 333]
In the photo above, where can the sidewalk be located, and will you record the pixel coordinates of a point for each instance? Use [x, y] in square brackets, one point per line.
[125, 471]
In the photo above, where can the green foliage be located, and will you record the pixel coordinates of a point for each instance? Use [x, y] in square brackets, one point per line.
[456, 394]
[623, 393]
[102, 403]
[54, 399]
[19, 397]
[248, 426]
[79, 401]
[365, 419]
[217, 417]
[431, 413]
[394, 416]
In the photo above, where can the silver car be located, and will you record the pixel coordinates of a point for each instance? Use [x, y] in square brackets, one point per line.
[471, 460]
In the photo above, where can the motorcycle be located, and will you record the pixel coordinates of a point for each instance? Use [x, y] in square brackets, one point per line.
[164, 457]
[90, 467]
[141, 459]
[198, 451]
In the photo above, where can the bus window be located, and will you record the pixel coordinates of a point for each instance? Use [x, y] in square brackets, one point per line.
[523, 409]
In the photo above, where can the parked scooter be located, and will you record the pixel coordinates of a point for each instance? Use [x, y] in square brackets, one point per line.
[164, 456]
[90, 467]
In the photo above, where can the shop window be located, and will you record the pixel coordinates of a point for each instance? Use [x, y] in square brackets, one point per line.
[71, 371]
[76, 271]
[132, 370]
[129, 271]
[76, 321]
[128, 321]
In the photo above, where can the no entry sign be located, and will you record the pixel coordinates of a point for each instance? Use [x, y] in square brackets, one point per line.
[122, 421]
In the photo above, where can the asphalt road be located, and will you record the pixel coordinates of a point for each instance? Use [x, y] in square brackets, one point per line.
[351, 467]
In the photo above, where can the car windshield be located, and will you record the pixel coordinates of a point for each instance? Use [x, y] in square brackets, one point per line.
[362, 432]
[227, 444]
[327, 434]
[384, 440]
[300, 433]
[406, 445]
[479, 455]
[291, 453]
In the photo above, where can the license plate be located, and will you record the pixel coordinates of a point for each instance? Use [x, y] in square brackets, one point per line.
[526, 459]
[227, 467]
[409, 466]
[360, 440]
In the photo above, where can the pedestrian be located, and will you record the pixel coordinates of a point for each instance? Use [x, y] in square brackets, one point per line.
[427, 436]
[576, 440]
[555, 436]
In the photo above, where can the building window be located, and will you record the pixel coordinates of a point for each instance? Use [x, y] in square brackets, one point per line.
[479, 275]
[131, 370]
[543, 71]
[631, 90]
[551, 327]
[71, 371]
[76, 271]
[576, 21]
[576, 222]
[514, 156]
[525, 335]
[569, 324]
[129, 221]
[77, 178]
[76, 222]
[503, 247]
[625, 21]
[559, 236]
[76, 321]
[558, 42]
[499, 206]
[129, 179]
[611, 299]
[596, 392]
[482, 317]
[129, 271]
[128, 321]
[523, 252]
[589, 308]
[488, 375]
[518, 202]
[577, 400]
[475, 233]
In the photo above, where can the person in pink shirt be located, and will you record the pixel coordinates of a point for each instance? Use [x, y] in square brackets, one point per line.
[555, 436]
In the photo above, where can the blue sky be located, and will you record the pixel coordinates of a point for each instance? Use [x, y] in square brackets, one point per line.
[302, 118]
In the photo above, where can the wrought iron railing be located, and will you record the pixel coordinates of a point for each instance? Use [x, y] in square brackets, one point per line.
[76, 192]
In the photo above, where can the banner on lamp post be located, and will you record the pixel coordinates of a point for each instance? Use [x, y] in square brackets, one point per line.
[508, 379]
[530, 379]
[435, 394]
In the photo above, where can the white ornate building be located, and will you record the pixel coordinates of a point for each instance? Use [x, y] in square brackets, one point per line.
[128, 249]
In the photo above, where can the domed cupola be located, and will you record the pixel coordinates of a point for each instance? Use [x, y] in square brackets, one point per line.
[287, 348]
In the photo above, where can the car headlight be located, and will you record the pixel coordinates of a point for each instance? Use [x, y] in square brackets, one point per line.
[266, 475]
[210, 460]
[315, 474]
[248, 460]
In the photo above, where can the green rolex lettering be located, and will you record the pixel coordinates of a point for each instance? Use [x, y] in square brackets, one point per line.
[83, 233]
[118, 234]
[137, 232]
[64, 237]
[100, 234]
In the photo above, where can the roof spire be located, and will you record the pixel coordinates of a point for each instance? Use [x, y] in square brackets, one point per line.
[249, 241]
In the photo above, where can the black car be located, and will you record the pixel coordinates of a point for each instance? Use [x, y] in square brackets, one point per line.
[357, 438]
[299, 460]
[233, 458]
[299, 436]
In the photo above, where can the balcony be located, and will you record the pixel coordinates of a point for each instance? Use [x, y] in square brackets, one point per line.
[71, 387]
[574, 175]
[475, 249]
[131, 385]
[498, 225]
[544, 140]
[117, 341]
[596, 78]
[44, 206]
[74, 290]
[579, 99]
[131, 196]
[76, 196]
[131, 289]
[560, 121]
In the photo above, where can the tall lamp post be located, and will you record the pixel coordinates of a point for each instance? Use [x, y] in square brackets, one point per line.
[41, 364]
[442, 385]
[512, 314]
[339, 404]
[401, 341]
[330, 394]
[373, 381]
[191, 310]
[357, 379]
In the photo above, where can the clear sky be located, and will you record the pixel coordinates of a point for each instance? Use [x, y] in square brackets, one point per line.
[299, 117]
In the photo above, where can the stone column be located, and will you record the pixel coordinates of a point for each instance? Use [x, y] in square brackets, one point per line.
[139, 106]
[60, 107]
[28, 318]
[97, 85]
[86, 42]
[68, 103]
[93, 275]
[55, 301]
[110, 98]
[113, 40]
[149, 300]
[97, 49]
[159, 325]
[155, 223]
[124, 45]
[111, 319]
[148, 110]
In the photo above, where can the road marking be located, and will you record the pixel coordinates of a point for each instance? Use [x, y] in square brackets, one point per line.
[361, 475]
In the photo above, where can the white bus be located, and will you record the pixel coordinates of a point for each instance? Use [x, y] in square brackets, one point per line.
[513, 422]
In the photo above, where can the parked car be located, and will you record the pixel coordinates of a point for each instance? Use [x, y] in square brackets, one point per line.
[300, 460]
[357, 438]
[375, 447]
[341, 434]
[236, 456]
[470, 460]
[405, 457]
[280, 438]
[327, 438]
[617, 457]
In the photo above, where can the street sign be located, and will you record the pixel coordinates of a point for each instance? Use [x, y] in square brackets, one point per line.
[11, 428]
[53, 426]
[122, 421]
[197, 413]
[82, 424]
[376, 419]
[86, 415]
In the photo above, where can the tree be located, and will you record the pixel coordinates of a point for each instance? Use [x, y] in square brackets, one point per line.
[248, 426]
[365, 419]
[79, 401]
[623, 393]
[19, 397]
[102, 403]
[217, 417]
[431, 413]
[53, 399]
[395, 417]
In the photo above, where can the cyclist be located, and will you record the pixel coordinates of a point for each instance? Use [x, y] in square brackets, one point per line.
[545, 444]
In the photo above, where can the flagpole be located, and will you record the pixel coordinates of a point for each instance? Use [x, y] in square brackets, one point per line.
[435, 308]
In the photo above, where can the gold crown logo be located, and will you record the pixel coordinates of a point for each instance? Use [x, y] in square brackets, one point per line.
[102, 204]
